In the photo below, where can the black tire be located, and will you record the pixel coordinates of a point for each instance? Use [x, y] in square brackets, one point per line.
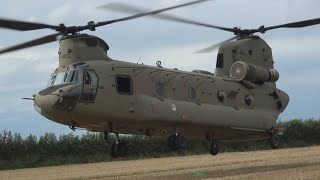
[274, 142]
[123, 149]
[118, 150]
[213, 148]
[114, 150]
[177, 142]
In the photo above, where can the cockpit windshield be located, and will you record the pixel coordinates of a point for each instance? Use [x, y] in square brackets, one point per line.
[69, 76]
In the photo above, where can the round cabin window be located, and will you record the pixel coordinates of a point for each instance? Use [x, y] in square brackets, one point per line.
[192, 93]
[160, 89]
[221, 96]
[248, 100]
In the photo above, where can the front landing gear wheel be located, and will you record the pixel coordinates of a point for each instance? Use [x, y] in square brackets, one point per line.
[177, 141]
[119, 149]
[213, 148]
[274, 142]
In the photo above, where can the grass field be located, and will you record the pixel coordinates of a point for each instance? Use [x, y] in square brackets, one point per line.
[297, 163]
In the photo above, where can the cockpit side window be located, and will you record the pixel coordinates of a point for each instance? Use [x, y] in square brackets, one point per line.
[219, 61]
[86, 78]
[90, 86]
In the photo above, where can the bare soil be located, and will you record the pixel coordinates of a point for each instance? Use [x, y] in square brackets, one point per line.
[297, 163]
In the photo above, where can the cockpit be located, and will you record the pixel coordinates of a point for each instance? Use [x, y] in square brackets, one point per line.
[76, 83]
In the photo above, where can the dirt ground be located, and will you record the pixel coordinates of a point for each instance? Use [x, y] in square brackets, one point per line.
[298, 163]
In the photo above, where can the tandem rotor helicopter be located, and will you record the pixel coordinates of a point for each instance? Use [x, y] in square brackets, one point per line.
[239, 102]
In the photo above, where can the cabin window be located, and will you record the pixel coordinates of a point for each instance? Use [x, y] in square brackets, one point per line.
[90, 86]
[248, 100]
[219, 60]
[160, 88]
[221, 96]
[124, 85]
[192, 93]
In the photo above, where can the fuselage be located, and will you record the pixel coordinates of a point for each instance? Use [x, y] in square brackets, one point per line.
[134, 98]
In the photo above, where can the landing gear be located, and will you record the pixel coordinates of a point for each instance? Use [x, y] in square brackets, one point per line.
[274, 138]
[177, 141]
[274, 141]
[118, 148]
[213, 148]
[106, 134]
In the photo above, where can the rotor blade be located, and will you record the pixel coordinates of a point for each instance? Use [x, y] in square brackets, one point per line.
[124, 8]
[298, 24]
[36, 42]
[215, 46]
[24, 26]
[147, 13]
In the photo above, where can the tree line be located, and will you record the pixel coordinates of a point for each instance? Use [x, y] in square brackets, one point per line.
[48, 149]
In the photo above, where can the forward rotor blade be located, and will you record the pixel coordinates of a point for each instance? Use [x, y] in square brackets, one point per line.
[215, 46]
[36, 42]
[24, 26]
[144, 13]
[298, 24]
[124, 8]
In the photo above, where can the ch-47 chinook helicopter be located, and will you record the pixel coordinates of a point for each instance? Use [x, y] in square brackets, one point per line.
[89, 90]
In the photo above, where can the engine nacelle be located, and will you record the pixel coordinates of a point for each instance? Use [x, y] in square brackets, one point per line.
[253, 73]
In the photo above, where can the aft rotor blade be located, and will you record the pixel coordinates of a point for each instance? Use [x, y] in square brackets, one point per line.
[36, 42]
[215, 46]
[125, 8]
[298, 24]
[147, 13]
[24, 26]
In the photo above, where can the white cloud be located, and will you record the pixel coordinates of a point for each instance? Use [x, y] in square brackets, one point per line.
[61, 13]
[16, 87]
[8, 70]
[34, 60]
[298, 46]
[168, 3]
[302, 78]
[32, 19]
[182, 57]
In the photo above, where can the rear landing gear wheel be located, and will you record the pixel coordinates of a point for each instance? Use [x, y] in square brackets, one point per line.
[119, 149]
[213, 148]
[177, 141]
[274, 141]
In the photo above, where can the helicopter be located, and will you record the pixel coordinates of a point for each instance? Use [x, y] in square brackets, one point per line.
[239, 102]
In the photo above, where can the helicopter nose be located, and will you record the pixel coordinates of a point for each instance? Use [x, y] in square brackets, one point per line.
[42, 105]
[38, 103]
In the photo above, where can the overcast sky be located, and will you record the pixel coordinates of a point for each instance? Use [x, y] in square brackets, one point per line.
[23, 73]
